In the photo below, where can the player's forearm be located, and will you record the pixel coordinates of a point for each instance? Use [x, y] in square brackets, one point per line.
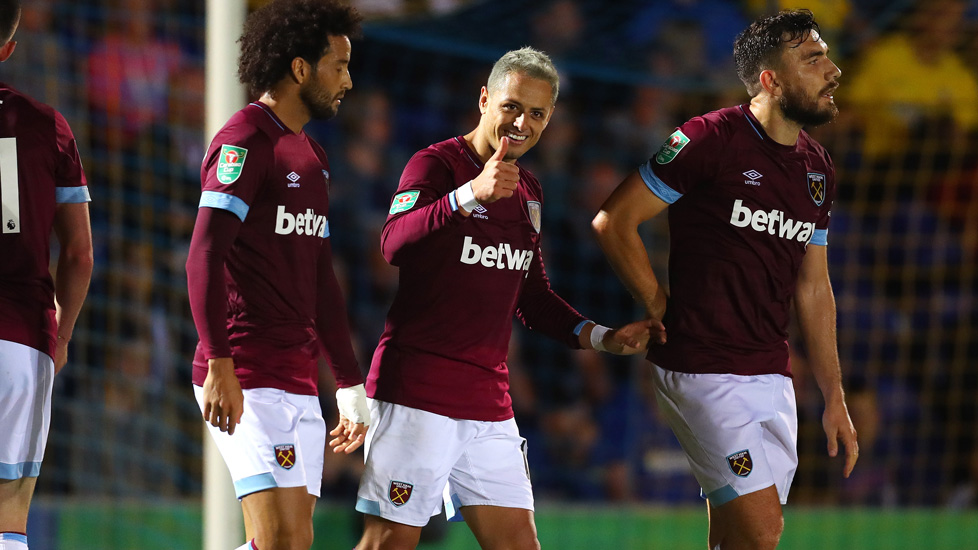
[815, 305]
[213, 235]
[71, 286]
[332, 325]
[627, 255]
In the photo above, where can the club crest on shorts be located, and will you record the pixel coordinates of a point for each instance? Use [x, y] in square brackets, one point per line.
[740, 463]
[285, 455]
[816, 187]
[399, 493]
[533, 207]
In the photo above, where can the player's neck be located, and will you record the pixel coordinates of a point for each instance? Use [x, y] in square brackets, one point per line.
[288, 108]
[478, 144]
[767, 111]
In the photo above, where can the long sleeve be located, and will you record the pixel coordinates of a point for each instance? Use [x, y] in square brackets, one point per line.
[214, 234]
[422, 206]
[332, 324]
[541, 309]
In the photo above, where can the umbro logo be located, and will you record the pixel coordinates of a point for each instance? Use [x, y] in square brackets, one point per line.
[293, 179]
[480, 212]
[752, 177]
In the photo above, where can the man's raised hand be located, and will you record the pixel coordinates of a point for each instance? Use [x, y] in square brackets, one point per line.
[498, 179]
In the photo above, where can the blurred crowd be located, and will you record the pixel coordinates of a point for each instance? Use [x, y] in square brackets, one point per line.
[128, 76]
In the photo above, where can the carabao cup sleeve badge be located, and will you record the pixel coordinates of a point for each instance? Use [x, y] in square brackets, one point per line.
[404, 201]
[230, 163]
[671, 147]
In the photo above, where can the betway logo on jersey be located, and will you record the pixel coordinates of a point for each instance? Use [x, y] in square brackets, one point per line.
[771, 222]
[307, 223]
[500, 257]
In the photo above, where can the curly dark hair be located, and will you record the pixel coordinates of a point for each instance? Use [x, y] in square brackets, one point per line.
[9, 16]
[282, 30]
[760, 45]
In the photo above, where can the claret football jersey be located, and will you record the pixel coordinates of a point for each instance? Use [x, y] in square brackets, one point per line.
[743, 210]
[462, 279]
[276, 182]
[39, 169]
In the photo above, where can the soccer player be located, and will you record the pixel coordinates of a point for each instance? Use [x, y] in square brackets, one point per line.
[749, 195]
[263, 293]
[464, 228]
[42, 188]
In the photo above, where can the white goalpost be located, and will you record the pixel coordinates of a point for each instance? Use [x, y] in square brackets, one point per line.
[223, 524]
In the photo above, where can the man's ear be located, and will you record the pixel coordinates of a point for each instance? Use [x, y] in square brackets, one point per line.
[7, 49]
[300, 70]
[770, 83]
[484, 100]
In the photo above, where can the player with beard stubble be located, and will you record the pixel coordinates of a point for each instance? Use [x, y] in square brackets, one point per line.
[264, 297]
[749, 194]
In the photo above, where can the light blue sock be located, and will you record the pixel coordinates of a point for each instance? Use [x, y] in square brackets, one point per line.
[13, 541]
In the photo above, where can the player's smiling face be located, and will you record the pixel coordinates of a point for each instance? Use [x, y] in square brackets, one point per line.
[519, 109]
[808, 79]
[322, 91]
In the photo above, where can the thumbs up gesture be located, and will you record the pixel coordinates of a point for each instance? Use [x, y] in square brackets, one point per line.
[498, 179]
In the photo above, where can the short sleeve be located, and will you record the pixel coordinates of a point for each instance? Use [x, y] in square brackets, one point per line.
[688, 157]
[237, 163]
[71, 185]
[821, 234]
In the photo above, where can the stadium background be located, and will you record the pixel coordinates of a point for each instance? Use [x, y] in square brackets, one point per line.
[123, 467]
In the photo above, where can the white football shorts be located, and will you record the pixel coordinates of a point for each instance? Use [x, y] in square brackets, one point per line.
[26, 379]
[279, 443]
[740, 433]
[415, 460]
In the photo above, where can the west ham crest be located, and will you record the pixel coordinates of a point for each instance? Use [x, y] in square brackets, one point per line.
[400, 493]
[285, 456]
[533, 207]
[740, 463]
[816, 187]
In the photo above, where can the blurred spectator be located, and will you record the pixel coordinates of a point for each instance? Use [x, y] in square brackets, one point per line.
[831, 14]
[557, 29]
[40, 66]
[130, 71]
[688, 38]
[912, 77]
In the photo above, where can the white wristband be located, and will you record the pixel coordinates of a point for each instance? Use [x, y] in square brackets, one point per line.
[466, 197]
[352, 404]
[597, 337]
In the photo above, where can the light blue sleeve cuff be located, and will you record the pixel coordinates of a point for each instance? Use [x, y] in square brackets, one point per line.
[234, 205]
[72, 195]
[656, 185]
[326, 230]
[820, 237]
[580, 326]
